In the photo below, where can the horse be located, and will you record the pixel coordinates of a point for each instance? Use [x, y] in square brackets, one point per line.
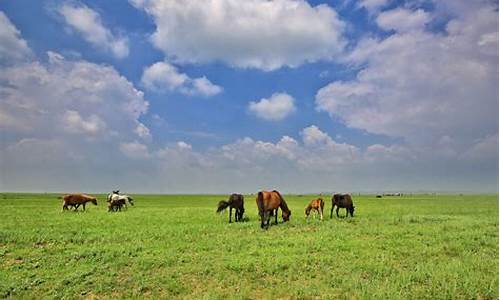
[268, 202]
[317, 205]
[116, 204]
[342, 201]
[115, 195]
[235, 201]
[76, 200]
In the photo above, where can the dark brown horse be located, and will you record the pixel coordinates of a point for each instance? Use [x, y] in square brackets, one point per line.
[76, 200]
[235, 201]
[317, 205]
[116, 204]
[268, 204]
[342, 201]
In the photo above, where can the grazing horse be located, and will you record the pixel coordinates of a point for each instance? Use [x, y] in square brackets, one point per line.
[317, 205]
[76, 200]
[235, 201]
[115, 195]
[342, 201]
[116, 204]
[267, 202]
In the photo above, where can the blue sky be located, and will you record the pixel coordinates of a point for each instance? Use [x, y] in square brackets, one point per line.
[354, 85]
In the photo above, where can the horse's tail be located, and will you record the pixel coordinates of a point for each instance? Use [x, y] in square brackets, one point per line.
[260, 203]
[222, 205]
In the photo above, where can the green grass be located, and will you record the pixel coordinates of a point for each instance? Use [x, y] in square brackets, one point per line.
[173, 246]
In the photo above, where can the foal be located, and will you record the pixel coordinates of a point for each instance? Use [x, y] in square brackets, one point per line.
[317, 205]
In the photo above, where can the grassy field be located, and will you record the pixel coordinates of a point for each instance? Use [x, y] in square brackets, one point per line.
[175, 246]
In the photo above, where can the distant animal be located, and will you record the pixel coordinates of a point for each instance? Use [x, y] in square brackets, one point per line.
[235, 201]
[115, 195]
[75, 200]
[379, 196]
[342, 201]
[116, 204]
[316, 205]
[268, 204]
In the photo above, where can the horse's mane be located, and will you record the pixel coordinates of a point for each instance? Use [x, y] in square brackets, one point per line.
[283, 205]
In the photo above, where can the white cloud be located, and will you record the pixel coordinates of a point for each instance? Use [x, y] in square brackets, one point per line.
[312, 135]
[134, 150]
[70, 98]
[402, 20]
[12, 46]
[73, 122]
[373, 5]
[275, 108]
[423, 85]
[142, 131]
[162, 76]
[248, 34]
[88, 23]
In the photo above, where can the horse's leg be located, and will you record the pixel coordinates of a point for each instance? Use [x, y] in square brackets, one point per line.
[346, 212]
[276, 217]
[230, 213]
[263, 219]
[84, 206]
[321, 213]
[337, 211]
[331, 212]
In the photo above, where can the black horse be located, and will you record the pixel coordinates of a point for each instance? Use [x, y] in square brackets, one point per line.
[342, 201]
[235, 201]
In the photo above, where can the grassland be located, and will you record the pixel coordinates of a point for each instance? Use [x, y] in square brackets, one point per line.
[434, 247]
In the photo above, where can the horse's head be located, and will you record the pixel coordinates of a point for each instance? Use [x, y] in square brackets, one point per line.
[130, 200]
[308, 210]
[94, 201]
[286, 215]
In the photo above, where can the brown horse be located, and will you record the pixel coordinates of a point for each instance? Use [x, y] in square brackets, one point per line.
[235, 201]
[317, 205]
[268, 204]
[342, 201]
[76, 200]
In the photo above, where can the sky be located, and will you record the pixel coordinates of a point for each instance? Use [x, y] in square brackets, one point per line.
[171, 96]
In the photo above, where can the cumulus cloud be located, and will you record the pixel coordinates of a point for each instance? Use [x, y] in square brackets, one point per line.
[134, 150]
[70, 97]
[402, 20]
[423, 85]
[12, 47]
[251, 34]
[316, 162]
[73, 122]
[89, 25]
[162, 76]
[69, 117]
[275, 108]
